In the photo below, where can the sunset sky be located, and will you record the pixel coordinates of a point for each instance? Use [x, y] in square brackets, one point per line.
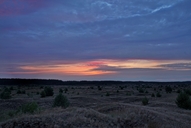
[130, 40]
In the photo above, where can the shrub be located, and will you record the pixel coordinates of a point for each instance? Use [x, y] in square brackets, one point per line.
[43, 94]
[107, 94]
[19, 91]
[29, 107]
[48, 91]
[145, 101]
[99, 88]
[187, 91]
[11, 88]
[23, 92]
[168, 89]
[158, 94]
[183, 101]
[60, 90]
[152, 95]
[121, 87]
[65, 90]
[141, 90]
[6, 94]
[61, 100]
[178, 91]
[128, 94]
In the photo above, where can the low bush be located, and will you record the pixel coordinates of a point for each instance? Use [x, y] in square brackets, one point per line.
[19, 91]
[61, 101]
[99, 88]
[145, 101]
[66, 90]
[43, 94]
[11, 88]
[23, 92]
[183, 101]
[60, 90]
[6, 94]
[187, 91]
[141, 90]
[168, 89]
[152, 95]
[128, 94]
[178, 91]
[29, 108]
[49, 91]
[107, 94]
[158, 94]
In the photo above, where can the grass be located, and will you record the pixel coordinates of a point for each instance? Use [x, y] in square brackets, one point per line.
[92, 108]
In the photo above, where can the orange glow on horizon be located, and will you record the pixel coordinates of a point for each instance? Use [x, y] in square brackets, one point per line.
[98, 67]
[72, 69]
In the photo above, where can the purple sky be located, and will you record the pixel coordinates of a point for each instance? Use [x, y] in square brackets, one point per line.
[96, 39]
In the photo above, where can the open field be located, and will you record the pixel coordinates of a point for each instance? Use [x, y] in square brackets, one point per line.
[98, 106]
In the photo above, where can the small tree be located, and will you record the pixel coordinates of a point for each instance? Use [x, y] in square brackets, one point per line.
[48, 91]
[6, 94]
[29, 107]
[19, 91]
[178, 91]
[183, 101]
[43, 94]
[107, 94]
[152, 95]
[141, 90]
[168, 89]
[187, 91]
[158, 94]
[61, 100]
[99, 88]
[60, 90]
[145, 101]
[66, 90]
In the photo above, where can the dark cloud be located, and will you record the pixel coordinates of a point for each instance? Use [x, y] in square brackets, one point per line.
[177, 66]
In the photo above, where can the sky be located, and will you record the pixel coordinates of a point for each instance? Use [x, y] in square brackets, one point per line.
[129, 40]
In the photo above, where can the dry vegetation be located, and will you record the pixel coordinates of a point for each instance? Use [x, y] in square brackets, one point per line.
[97, 106]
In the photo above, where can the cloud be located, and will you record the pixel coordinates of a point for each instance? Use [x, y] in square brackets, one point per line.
[33, 31]
[177, 66]
[17, 7]
[162, 7]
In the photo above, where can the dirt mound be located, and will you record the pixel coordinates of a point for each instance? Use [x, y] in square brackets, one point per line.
[104, 115]
[69, 118]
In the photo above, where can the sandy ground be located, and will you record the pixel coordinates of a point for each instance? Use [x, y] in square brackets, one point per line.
[90, 107]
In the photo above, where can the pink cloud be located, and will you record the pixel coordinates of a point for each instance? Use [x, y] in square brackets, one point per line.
[16, 7]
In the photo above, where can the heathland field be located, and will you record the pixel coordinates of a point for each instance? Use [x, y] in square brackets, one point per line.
[128, 105]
